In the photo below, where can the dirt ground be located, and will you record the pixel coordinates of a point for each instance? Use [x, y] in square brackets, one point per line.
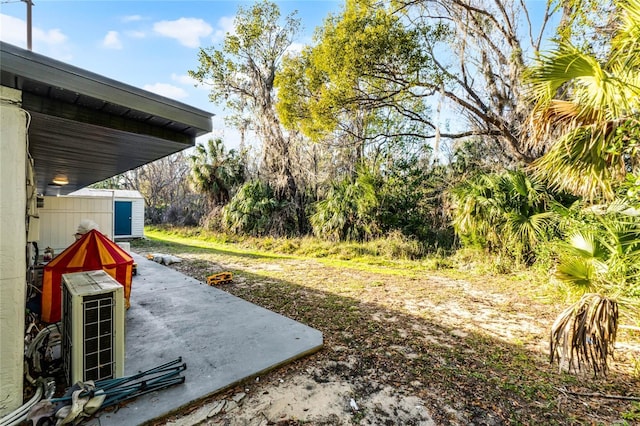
[407, 347]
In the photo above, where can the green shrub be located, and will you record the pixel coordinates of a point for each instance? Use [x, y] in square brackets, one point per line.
[507, 213]
[256, 211]
[347, 212]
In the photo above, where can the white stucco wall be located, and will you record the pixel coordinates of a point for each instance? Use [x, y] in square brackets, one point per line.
[13, 241]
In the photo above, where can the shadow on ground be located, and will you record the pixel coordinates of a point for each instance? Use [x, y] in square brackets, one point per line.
[372, 341]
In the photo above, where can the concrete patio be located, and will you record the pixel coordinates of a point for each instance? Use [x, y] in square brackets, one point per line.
[222, 339]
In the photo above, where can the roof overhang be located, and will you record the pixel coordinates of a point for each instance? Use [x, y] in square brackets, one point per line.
[88, 127]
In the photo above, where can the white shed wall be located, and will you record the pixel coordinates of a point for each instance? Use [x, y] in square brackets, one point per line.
[60, 216]
[137, 220]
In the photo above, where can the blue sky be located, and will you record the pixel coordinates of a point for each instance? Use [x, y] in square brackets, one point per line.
[148, 44]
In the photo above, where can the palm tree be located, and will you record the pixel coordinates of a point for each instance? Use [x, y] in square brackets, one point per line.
[215, 172]
[591, 109]
[347, 212]
[603, 262]
[505, 212]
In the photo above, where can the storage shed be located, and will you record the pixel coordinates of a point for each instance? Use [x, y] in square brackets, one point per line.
[118, 213]
[128, 210]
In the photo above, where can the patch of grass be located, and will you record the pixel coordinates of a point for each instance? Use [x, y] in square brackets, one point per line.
[466, 264]
[392, 248]
[371, 308]
[195, 242]
[633, 414]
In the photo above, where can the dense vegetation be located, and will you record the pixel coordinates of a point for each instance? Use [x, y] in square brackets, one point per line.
[444, 123]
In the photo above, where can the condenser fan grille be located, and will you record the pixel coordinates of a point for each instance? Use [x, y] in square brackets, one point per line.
[98, 336]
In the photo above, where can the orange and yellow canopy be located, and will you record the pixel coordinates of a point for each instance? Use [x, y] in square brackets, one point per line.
[92, 252]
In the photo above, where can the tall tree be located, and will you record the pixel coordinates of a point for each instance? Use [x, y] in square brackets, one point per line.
[342, 91]
[241, 76]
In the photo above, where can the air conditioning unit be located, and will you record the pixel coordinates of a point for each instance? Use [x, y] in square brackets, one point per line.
[92, 326]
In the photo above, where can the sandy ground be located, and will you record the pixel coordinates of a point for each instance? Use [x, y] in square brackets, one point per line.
[423, 350]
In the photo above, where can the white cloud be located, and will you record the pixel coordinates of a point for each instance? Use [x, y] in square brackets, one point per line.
[166, 90]
[183, 79]
[52, 42]
[131, 18]
[50, 37]
[13, 30]
[135, 34]
[225, 25]
[187, 31]
[112, 40]
[295, 48]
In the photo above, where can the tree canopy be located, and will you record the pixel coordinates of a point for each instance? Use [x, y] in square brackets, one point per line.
[405, 69]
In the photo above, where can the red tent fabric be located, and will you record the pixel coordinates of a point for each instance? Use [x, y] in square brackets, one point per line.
[92, 252]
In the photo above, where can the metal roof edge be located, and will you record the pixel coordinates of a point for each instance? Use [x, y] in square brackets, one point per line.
[37, 67]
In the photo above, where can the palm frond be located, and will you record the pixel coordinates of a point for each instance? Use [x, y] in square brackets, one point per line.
[581, 163]
[556, 68]
[628, 37]
[529, 229]
[345, 213]
[583, 260]
[582, 108]
[577, 272]
[593, 92]
[586, 245]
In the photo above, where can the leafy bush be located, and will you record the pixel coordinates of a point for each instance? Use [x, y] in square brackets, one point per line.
[601, 253]
[256, 211]
[347, 212]
[507, 213]
[411, 201]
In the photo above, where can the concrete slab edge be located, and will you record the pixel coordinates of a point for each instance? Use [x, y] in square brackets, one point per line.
[229, 386]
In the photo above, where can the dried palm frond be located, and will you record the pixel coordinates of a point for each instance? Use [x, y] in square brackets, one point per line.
[585, 334]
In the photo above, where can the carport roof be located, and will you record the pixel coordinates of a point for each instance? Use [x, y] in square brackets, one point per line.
[89, 127]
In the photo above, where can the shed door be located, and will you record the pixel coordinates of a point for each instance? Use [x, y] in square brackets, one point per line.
[122, 218]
